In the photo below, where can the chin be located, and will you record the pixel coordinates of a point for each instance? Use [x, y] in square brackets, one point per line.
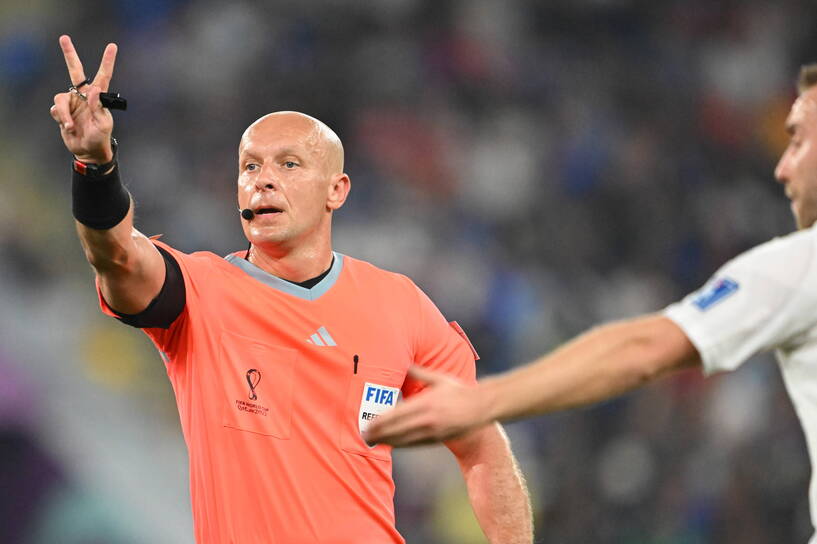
[269, 241]
[267, 235]
[804, 222]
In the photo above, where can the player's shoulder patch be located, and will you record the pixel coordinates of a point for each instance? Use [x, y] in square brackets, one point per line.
[714, 292]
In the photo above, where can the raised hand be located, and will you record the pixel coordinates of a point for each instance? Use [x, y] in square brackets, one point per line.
[85, 126]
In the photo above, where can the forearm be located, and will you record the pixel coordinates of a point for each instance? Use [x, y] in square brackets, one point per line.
[596, 366]
[108, 250]
[129, 268]
[496, 487]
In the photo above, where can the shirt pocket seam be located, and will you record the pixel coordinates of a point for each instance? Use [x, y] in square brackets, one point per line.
[273, 378]
[349, 439]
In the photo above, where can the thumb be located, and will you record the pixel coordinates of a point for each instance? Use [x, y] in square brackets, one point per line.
[426, 376]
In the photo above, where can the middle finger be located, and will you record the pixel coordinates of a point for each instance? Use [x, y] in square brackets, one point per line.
[103, 76]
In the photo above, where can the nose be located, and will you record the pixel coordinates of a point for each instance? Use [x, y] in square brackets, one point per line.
[781, 171]
[265, 182]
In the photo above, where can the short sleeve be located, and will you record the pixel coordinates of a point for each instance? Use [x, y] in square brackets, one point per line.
[440, 346]
[759, 301]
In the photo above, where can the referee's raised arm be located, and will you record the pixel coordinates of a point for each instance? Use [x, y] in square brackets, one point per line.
[129, 268]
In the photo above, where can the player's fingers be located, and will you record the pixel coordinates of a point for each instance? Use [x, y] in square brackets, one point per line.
[427, 376]
[75, 71]
[413, 439]
[389, 426]
[103, 76]
[415, 435]
[379, 431]
[62, 110]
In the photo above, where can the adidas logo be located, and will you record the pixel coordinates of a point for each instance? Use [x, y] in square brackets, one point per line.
[322, 338]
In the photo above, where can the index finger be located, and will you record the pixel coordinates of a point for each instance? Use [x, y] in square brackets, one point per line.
[103, 76]
[429, 377]
[75, 71]
[390, 425]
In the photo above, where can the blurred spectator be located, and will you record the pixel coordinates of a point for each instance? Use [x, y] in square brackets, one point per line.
[535, 166]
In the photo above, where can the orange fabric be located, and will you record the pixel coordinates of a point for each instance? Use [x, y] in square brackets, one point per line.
[289, 466]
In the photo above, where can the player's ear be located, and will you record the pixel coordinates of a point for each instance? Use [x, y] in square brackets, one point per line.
[339, 187]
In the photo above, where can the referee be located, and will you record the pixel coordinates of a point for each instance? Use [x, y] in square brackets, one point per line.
[764, 299]
[280, 356]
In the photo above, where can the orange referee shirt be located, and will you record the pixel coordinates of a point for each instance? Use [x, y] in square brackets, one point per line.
[274, 383]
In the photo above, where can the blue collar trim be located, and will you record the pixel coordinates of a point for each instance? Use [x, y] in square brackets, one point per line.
[318, 290]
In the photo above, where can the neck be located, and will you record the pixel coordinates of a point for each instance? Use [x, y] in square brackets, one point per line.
[296, 264]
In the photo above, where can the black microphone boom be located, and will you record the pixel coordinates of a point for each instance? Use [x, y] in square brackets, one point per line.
[247, 214]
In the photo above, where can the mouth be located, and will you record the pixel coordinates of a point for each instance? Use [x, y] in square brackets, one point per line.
[266, 211]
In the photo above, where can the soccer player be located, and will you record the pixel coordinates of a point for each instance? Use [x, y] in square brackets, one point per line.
[281, 355]
[764, 299]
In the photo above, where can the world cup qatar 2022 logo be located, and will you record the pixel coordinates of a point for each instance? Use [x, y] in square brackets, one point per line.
[253, 379]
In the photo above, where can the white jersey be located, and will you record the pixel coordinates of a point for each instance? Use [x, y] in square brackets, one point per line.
[764, 299]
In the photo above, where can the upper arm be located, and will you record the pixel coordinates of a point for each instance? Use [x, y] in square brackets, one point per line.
[668, 346]
[438, 346]
[759, 301]
[131, 285]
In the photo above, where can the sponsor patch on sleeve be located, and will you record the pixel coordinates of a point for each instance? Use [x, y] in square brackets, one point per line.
[715, 292]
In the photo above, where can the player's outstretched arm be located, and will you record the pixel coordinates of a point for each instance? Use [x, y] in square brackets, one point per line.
[596, 366]
[129, 268]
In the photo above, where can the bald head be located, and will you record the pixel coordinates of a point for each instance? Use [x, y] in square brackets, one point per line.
[290, 172]
[303, 129]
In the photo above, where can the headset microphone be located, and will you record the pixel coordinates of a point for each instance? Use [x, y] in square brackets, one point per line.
[247, 214]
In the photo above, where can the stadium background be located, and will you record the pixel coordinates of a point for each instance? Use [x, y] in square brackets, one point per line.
[536, 167]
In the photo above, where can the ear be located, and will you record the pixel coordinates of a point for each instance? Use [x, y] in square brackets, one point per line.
[339, 187]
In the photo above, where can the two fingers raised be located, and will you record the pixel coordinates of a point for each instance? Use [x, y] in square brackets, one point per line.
[65, 103]
[76, 71]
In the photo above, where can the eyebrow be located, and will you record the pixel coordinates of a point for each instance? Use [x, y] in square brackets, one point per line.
[245, 154]
[288, 151]
[248, 152]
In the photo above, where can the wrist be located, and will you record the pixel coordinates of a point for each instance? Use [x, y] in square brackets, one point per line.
[99, 200]
[101, 156]
[95, 166]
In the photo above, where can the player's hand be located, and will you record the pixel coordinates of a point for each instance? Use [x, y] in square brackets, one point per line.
[444, 410]
[85, 126]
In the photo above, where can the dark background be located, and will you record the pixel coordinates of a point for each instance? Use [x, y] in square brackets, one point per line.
[536, 167]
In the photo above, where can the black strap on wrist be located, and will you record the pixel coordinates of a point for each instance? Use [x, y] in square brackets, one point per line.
[92, 170]
[99, 201]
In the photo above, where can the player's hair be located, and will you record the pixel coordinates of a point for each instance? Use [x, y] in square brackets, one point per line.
[808, 77]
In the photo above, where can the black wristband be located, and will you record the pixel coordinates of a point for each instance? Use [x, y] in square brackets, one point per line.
[99, 202]
[92, 170]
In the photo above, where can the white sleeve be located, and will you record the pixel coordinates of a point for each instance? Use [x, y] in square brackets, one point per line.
[761, 300]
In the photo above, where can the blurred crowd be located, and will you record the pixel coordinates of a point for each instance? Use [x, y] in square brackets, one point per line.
[536, 167]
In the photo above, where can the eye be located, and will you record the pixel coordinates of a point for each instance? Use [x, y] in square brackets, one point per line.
[290, 164]
[251, 167]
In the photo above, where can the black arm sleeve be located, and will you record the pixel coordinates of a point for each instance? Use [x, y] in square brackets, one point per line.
[168, 304]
